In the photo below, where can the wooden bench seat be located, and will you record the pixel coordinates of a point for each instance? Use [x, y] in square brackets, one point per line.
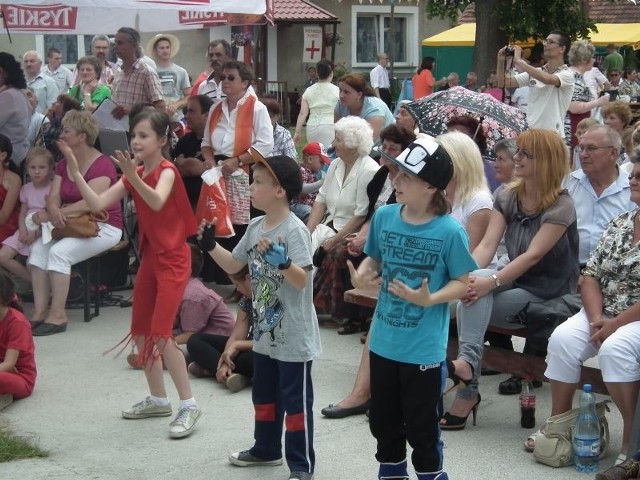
[513, 363]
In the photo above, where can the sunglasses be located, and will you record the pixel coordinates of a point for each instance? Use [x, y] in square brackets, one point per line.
[615, 75]
[231, 78]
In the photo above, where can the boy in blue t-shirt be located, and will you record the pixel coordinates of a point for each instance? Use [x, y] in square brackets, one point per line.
[418, 257]
[286, 339]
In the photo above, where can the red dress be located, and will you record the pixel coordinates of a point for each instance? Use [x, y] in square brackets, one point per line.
[15, 334]
[11, 225]
[166, 261]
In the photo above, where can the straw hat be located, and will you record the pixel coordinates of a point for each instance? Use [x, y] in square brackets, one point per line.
[172, 39]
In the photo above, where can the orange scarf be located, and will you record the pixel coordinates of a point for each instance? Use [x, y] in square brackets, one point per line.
[244, 126]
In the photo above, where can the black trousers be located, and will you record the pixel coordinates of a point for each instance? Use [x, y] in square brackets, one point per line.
[385, 96]
[406, 406]
[205, 349]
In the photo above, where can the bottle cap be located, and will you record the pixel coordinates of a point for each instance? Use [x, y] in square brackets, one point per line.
[587, 388]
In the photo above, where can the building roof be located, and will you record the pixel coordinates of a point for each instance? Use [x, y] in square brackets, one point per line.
[600, 11]
[300, 11]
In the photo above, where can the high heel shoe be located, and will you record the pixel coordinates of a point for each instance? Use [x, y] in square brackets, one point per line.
[451, 369]
[458, 423]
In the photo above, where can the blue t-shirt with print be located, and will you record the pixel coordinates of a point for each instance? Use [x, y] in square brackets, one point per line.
[437, 250]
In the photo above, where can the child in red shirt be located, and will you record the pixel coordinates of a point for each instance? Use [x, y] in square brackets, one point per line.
[17, 360]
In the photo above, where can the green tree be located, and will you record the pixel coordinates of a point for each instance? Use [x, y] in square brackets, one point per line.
[501, 21]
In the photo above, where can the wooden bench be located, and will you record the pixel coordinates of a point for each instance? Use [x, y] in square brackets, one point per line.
[506, 361]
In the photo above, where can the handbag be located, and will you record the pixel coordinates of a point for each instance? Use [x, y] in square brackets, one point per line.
[541, 318]
[554, 445]
[84, 225]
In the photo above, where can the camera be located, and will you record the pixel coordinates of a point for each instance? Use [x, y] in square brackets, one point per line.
[509, 51]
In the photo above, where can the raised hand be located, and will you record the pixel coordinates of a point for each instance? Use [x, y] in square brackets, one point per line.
[275, 254]
[367, 280]
[126, 163]
[72, 161]
[418, 296]
[207, 236]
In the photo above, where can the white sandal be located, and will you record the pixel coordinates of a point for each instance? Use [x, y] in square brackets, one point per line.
[619, 459]
[530, 442]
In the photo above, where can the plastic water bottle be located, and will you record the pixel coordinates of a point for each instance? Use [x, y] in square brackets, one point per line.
[586, 436]
[527, 404]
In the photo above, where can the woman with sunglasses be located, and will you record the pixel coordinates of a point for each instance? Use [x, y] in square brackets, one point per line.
[538, 221]
[236, 124]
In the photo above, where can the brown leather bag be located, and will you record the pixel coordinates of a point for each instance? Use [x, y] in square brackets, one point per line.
[84, 225]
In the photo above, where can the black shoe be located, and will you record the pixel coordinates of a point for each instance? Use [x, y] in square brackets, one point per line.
[513, 385]
[458, 423]
[334, 411]
[451, 369]
[486, 372]
[46, 329]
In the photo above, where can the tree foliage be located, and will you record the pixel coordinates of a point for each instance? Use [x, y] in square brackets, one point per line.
[524, 20]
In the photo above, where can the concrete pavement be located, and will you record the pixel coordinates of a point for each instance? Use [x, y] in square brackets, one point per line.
[75, 413]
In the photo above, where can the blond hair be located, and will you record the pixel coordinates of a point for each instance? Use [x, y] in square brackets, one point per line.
[82, 122]
[550, 163]
[468, 168]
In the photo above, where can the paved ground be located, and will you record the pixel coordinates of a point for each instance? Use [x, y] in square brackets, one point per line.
[75, 413]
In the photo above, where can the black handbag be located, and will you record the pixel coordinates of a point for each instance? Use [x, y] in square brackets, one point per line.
[541, 318]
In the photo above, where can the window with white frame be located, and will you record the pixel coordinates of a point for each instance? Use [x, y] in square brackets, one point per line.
[371, 27]
[73, 47]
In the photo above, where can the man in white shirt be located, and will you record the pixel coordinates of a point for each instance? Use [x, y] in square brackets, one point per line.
[219, 52]
[60, 74]
[595, 80]
[520, 99]
[550, 87]
[379, 78]
[174, 80]
[44, 86]
[600, 190]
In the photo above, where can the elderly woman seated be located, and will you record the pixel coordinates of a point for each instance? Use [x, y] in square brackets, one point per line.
[51, 262]
[338, 212]
[609, 324]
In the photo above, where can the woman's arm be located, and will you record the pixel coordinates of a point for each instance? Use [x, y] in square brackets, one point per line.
[98, 185]
[584, 107]
[302, 116]
[351, 226]
[486, 249]
[477, 225]
[315, 217]
[12, 184]
[10, 359]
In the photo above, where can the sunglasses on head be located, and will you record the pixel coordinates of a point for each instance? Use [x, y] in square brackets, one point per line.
[231, 78]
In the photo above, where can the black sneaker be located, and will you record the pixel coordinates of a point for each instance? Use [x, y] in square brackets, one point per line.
[245, 459]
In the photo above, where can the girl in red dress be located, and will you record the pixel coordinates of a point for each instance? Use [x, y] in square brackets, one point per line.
[165, 220]
[17, 361]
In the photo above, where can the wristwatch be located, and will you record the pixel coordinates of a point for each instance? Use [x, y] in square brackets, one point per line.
[285, 265]
[496, 280]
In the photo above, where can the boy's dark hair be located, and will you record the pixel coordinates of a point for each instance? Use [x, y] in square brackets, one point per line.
[53, 50]
[205, 102]
[240, 274]
[6, 146]
[284, 170]
[8, 295]
[197, 260]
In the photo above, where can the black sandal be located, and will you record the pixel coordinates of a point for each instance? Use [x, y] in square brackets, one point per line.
[353, 326]
[513, 385]
[451, 369]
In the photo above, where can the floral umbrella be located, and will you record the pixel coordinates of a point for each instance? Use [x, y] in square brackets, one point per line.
[498, 119]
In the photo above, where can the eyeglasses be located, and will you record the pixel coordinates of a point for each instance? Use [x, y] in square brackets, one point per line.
[550, 41]
[590, 149]
[635, 177]
[231, 78]
[523, 153]
[614, 74]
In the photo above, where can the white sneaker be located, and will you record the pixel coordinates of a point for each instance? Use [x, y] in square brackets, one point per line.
[184, 422]
[147, 409]
[237, 382]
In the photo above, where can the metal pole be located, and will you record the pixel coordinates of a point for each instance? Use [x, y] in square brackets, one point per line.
[392, 39]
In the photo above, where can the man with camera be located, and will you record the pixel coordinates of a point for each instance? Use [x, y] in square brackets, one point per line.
[550, 87]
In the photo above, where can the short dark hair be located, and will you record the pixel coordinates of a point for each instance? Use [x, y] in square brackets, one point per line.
[224, 43]
[246, 74]
[564, 40]
[396, 133]
[8, 296]
[324, 68]
[6, 146]
[53, 50]
[272, 104]
[197, 260]
[132, 32]
[205, 102]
